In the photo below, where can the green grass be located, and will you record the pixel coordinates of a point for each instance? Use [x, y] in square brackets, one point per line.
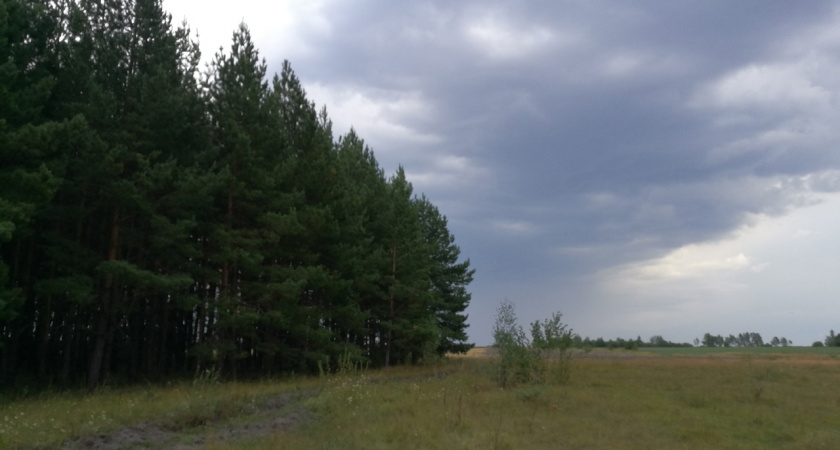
[610, 404]
[754, 400]
[45, 420]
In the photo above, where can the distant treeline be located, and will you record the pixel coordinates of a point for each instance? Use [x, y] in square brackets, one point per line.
[832, 340]
[748, 339]
[628, 344]
[157, 221]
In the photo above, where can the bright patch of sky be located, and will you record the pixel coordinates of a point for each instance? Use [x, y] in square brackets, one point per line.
[769, 276]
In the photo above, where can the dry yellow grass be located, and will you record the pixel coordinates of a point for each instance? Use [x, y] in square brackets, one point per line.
[475, 352]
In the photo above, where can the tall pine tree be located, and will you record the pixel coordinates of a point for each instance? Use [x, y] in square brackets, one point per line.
[151, 225]
[449, 278]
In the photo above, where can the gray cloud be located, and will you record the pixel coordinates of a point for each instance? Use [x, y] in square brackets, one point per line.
[567, 139]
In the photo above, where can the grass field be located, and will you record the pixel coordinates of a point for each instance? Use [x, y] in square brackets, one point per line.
[804, 352]
[655, 399]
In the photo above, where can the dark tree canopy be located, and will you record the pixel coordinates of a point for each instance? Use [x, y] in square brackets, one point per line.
[156, 221]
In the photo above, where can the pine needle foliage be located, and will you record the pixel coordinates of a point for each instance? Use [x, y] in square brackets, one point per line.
[157, 222]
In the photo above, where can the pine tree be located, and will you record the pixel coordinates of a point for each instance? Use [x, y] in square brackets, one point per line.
[137, 107]
[30, 171]
[243, 130]
[408, 326]
[122, 77]
[315, 253]
[449, 280]
[150, 225]
[359, 252]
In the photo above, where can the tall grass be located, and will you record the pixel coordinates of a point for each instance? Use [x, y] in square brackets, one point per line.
[657, 403]
[46, 420]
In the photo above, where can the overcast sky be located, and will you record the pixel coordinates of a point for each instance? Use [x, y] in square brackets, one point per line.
[644, 167]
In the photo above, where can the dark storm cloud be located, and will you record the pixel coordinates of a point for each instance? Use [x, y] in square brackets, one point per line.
[565, 138]
[555, 119]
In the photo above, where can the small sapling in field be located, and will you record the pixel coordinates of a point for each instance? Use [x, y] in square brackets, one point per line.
[544, 357]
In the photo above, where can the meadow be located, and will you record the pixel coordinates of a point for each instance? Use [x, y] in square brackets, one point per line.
[653, 399]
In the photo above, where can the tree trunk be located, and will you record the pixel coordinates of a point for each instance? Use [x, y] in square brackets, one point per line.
[69, 337]
[163, 333]
[98, 352]
[9, 364]
[101, 333]
[44, 326]
[391, 305]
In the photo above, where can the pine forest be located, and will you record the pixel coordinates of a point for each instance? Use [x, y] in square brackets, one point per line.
[158, 219]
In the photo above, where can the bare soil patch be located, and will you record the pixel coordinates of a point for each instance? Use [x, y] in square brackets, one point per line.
[278, 413]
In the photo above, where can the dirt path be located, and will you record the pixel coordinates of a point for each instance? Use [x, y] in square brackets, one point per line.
[278, 413]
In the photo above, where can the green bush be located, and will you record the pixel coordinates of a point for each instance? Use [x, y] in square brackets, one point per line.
[542, 358]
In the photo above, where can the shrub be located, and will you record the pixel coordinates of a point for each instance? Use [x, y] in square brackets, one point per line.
[542, 358]
[552, 339]
[517, 362]
[832, 340]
